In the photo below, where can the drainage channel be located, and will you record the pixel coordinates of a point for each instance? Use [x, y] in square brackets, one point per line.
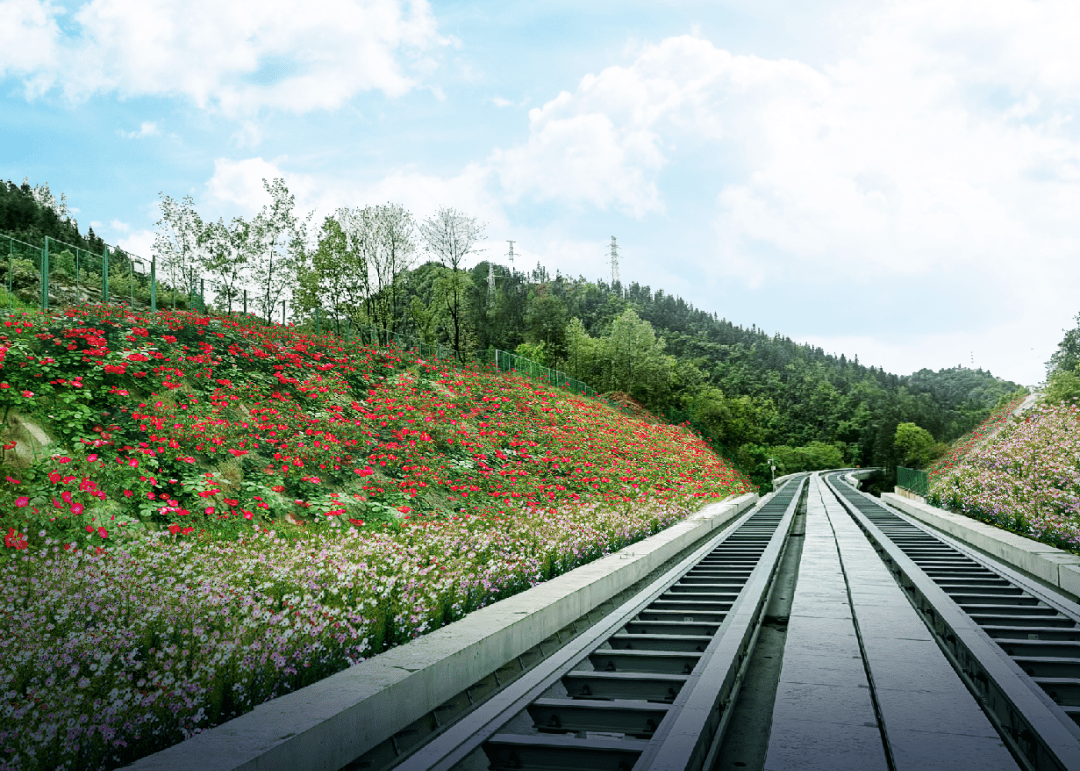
[648, 687]
[1015, 644]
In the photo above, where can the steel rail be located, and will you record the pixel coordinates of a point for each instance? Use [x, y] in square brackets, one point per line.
[990, 622]
[650, 682]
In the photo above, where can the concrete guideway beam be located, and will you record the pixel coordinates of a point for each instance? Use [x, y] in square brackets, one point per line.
[823, 714]
[328, 724]
[930, 720]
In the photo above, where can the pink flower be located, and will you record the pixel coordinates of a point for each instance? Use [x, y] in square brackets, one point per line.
[134, 462]
[76, 508]
[22, 502]
[102, 532]
[28, 394]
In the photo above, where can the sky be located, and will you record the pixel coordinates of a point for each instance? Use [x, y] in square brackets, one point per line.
[897, 181]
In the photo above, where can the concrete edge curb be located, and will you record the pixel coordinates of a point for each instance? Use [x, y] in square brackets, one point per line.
[329, 723]
[1054, 566]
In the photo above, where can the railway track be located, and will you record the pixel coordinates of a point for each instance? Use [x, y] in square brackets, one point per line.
[655, 684]
[645, 687]
[1014, 643]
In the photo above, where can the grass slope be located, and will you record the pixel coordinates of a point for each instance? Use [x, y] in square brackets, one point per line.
[203, 513]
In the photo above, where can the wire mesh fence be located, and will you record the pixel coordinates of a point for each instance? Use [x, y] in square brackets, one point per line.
[60, 273]
[511, 362]
[22, 270]
[913, 480]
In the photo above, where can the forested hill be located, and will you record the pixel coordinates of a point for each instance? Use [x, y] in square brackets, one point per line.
[758, 395]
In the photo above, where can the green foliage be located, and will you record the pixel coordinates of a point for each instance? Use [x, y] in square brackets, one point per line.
[534, 351]
[733, 422]
[915, 446]
[812, 457]
[1063, 386]
[1067, 356]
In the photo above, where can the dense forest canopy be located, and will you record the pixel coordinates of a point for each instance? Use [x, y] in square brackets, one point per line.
[757, 396]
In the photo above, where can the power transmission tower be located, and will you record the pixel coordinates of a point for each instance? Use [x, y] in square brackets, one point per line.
[491, 285]
[614, 262]
[510, 254]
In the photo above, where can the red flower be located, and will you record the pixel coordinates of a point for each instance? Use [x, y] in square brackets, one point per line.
[22, 502]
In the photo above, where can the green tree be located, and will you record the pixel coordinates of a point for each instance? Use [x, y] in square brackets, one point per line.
[732, 422]
[326, 277]
[545, 324]
[179, 242]
[450, 237]
[279, 234]
[581, 351]
[915, 446]
[1067, 356]
[1063, 385]
[228, 252]
[632, 359]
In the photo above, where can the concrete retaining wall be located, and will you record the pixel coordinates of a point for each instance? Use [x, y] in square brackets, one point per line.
[328, 724]
[1058, 568]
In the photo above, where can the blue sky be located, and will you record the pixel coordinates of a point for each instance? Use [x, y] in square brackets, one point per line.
[897, 181]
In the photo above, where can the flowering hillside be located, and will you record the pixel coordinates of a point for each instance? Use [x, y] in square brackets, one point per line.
[974, 438]
[1025, 479]
[228, 511]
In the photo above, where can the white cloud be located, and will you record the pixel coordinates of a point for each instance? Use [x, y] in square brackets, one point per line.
[147, 128]
[256, 53]
[28, 35]
[239, 184]
[943, 150]
[139, 243]
[603, 144]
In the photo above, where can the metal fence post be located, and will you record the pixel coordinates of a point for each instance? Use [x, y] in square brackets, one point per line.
[44, 303]
[105, 276]
[318, 321]
[245, 302]
[153, 284]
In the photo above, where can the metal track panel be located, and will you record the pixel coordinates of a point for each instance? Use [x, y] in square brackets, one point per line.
[651, 671]
[960, 596]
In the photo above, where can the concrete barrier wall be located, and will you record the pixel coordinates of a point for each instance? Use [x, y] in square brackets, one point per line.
[1058, 568]
[328, 724]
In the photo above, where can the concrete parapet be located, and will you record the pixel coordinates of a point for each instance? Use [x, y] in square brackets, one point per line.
[1056, 567]
[330, 723]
